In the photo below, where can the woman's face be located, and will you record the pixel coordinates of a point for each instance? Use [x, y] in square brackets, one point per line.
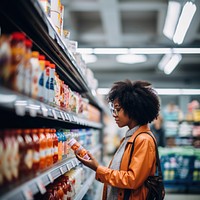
[121, 118]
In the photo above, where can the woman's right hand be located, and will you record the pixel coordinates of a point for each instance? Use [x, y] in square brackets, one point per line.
[92, 163]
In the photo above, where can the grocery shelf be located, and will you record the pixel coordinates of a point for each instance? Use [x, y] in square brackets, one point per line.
[85, 187]
[37, 184]
[23, 108]
[33, 21]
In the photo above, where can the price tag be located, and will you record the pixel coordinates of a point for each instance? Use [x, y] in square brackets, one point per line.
[41, 186]
[50, 178]
[66, 117]
[20, 107]
[73, 165]
[28, 195]
[44, 111]
[69, 117]
[61, 170]
[54, 114]
[75, 119]
[62, 115]
[67, 167]
[77, 162]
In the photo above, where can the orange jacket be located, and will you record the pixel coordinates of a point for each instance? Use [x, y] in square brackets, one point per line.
[143, 164]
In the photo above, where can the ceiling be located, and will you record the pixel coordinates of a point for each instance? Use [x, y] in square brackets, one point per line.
[132, 24]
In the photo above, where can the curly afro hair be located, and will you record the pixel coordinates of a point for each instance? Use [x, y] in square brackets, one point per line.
[138, 99]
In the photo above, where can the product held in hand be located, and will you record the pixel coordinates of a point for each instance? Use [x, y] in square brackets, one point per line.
[78, 149]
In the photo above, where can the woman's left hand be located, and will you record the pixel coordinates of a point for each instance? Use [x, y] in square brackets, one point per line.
[92, 163]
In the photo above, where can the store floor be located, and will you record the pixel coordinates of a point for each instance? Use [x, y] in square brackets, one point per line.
[169, 196]
[182, 197]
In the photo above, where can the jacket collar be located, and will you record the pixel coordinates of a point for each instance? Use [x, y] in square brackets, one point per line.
[143, 128]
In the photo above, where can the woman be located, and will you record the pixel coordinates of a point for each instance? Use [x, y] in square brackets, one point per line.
[133, 104]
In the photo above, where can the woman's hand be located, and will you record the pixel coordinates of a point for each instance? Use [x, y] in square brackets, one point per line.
[92, 163]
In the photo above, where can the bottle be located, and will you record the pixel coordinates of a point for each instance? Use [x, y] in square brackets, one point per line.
[78, 149]
[15, 155]
[51, 84]
[27, 67]
[49, 157]
[43, 148]
[15, 70]
[34, 75]
[60, 190]
[36, 150]
[5, 58]
[49, 195]
[55, 146]
[41, 78]
[55, 193]
[46, 81]
[1, 158]
[28, 156]
[65, 188]
[60, 145]
[6, 162]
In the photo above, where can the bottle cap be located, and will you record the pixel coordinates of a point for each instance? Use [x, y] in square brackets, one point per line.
[41, 57]
[35, 54]
[28, 43]
[18, 36]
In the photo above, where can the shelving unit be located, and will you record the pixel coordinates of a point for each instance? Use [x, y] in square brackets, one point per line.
[38, 183]
[20, 111]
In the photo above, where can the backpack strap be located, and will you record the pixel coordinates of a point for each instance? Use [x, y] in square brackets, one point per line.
[158, 167]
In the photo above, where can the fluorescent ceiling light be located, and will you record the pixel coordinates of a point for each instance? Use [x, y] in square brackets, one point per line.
[173, 12]
[172, 63]
[186, 50]
[150, 50]
[131, 58]
[89, 58]
[85, 50]
[157, 51]
[103, 91]
[161, 91]
[172, 91]
[185, 19]
[165, 59]
[111, 51]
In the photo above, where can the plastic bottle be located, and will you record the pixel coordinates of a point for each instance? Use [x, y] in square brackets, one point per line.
[49, 195]
[41, 78]
[15, 155]
[6, 162]
[55, 146]
[36, 149]
[15, 70]
[78, 149]
[5, 57]
[46, 81]
[43, 148]
[60, 145]
[28, 158]
[1, 158]
[49, 157]
[34, 75]
[55, 193]
[65, 188]
[27, 67]
[51, 84]
[60, 191]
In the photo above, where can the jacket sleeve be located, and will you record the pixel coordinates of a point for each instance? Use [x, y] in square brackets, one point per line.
[142, 162]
